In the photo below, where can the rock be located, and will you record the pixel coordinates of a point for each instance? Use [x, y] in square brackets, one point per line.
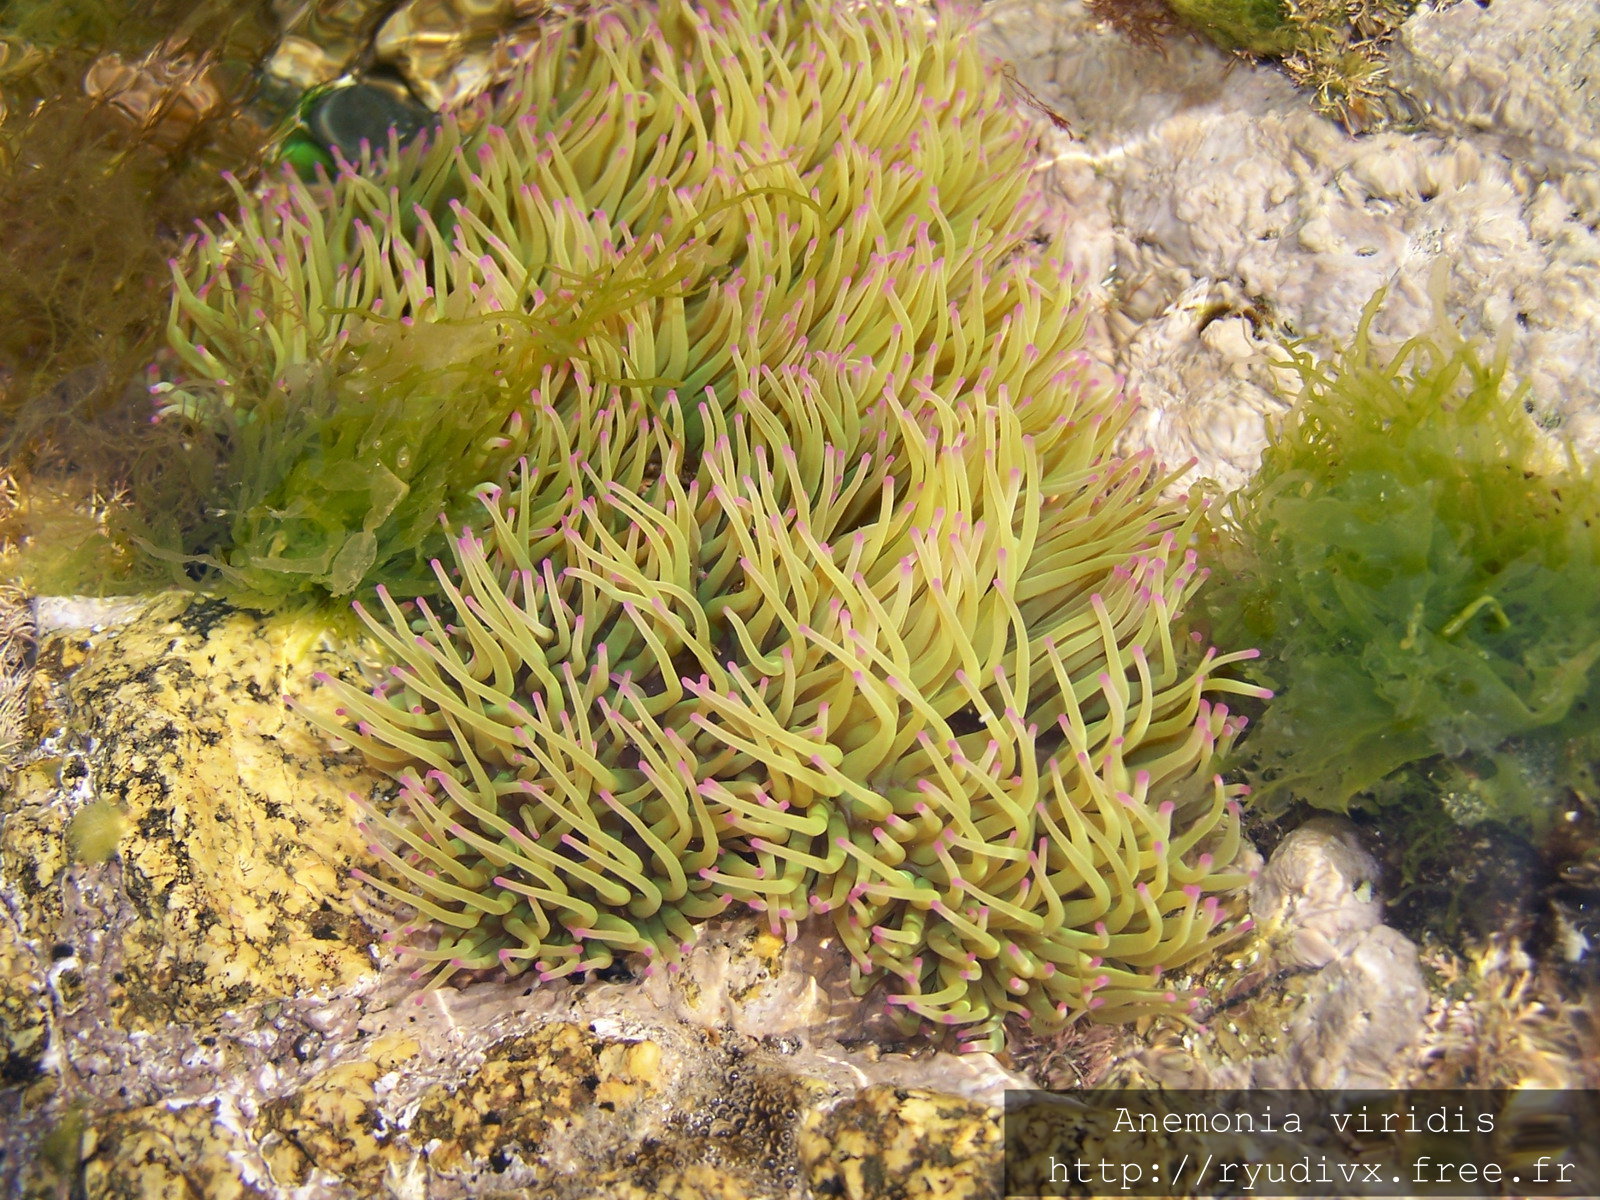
[902, 1144]
[331, 1127]
[162, 1151]
[1201, 185]
[1517, 75]
[1357, 1025]
[223, 893]
[204, 941]
[206, 1008]
[1315, 898]
[1327, 996]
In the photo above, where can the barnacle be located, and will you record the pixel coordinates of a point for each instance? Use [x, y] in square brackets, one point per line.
[818, 590]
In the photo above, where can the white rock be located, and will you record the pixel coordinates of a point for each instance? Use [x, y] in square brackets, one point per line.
[1197, 175]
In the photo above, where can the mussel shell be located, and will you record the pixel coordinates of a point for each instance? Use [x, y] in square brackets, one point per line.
[345, 117]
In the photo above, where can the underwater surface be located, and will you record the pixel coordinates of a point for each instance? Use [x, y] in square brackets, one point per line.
[709, 598]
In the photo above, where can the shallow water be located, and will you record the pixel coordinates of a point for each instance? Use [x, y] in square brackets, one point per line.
[175, 919]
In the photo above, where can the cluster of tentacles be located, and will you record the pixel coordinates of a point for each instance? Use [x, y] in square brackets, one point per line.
[819, 589]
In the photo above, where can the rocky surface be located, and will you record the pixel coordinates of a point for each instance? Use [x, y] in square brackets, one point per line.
[209, 1010]
[1518, 78]
[1219, 217]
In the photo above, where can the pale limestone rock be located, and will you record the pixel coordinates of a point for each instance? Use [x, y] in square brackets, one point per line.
[1518, 75]
[1318, 888]
[1198, 181]
[1362, 1012]
[1359, 1027]
[1315, 905]
[1324, 996]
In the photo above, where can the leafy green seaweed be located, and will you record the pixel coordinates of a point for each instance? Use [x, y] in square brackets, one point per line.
[1421, 566]
[1255, 26]
[351, 466]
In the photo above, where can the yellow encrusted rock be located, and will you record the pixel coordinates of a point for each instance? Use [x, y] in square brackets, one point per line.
[891, 1143]
[529, 1088]
[223, 827]
[333, 1125]
[163, 1152]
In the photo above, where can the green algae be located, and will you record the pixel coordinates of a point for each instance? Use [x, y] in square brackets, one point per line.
[116, 120]
[1420, 564]
[1258, 27]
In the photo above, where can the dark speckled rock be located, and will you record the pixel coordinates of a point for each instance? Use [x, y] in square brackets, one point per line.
[890, 1143]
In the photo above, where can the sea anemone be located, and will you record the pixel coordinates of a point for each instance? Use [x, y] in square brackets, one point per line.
[907, 687]
[819, 589]
[648, 185]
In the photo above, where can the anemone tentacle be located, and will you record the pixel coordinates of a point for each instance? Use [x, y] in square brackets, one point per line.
[810, 582]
